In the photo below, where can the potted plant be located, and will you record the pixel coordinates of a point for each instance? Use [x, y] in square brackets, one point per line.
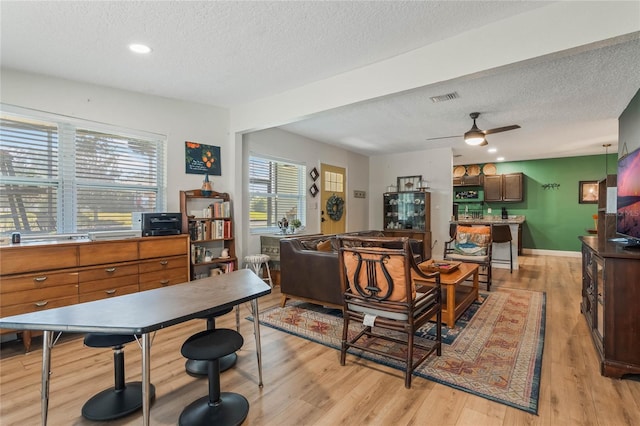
[295, 224]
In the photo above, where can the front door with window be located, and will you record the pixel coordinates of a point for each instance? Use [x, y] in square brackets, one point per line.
[332, 199]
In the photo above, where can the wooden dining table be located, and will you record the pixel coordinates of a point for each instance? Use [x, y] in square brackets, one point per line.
[142, 314]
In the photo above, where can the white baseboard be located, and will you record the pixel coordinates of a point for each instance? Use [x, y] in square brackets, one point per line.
[552, 252]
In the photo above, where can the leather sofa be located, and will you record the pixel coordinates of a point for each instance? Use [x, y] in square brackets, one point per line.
[309, 266]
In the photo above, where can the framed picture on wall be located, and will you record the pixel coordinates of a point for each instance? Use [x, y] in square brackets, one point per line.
[588, 192]
[202, 159]
[409, 183]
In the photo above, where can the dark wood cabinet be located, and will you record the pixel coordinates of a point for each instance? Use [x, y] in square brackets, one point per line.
[493, 188]
[468, 180]
[507, 187]
[512, 187]
[408, 214]
[610, 296]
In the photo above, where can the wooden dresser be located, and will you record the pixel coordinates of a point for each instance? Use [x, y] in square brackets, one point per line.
[38, 276]
[610, 296]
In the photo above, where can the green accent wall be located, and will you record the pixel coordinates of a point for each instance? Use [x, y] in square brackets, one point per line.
[554, 218]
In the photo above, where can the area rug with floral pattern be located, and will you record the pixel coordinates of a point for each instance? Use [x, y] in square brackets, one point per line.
[495, 350]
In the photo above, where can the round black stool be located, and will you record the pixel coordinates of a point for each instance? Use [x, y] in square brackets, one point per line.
[123, 398]
[198, 367]
[217, 408]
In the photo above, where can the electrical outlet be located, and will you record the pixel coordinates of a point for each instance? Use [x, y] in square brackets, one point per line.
[359, 194]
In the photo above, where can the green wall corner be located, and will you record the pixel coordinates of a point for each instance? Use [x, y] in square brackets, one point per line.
[554, 217]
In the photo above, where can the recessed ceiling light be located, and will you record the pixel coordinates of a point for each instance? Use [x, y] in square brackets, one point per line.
[139, 48]
[492, 150]
[500, 159]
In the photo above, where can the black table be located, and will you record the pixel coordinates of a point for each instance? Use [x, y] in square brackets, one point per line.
[142, 313]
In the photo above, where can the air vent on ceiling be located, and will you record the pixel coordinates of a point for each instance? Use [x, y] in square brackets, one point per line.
[448, 97]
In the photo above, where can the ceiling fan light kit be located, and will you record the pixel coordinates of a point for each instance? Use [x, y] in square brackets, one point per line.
[474, 137]
[477, 137]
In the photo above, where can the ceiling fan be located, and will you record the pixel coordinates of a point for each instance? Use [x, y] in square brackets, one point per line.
[475, 136]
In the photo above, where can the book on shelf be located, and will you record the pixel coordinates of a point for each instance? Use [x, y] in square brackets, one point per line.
[221, 209]
[201, 230]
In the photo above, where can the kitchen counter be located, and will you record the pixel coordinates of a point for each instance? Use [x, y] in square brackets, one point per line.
[486, 220]
[500, 251]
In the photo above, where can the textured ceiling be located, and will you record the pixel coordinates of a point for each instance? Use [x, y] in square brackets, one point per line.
[230, 53]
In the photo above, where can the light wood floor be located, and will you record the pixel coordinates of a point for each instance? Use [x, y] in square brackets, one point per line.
[305, 384]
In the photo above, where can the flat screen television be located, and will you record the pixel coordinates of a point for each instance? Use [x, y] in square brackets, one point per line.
[628, 208]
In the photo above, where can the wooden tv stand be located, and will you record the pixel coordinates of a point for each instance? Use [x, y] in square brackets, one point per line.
[610, 296]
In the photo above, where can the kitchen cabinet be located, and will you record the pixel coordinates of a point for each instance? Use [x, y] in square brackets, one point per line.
[506, 187]
[469, 180]
[209, 221]
[610, 295]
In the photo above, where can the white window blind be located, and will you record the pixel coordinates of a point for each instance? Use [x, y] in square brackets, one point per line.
[276, 191]
[64, 175]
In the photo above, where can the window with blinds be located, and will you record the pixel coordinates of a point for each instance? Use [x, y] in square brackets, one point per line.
[65, 176]
[276, 191]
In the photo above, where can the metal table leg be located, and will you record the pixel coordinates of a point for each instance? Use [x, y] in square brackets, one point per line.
[256, 333]
[146, 378]
[47, 344]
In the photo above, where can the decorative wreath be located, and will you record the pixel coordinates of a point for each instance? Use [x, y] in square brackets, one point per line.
[335, 207]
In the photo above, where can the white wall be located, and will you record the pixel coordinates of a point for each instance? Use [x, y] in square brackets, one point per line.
[288, 146]
[179, 121]
[435, 165]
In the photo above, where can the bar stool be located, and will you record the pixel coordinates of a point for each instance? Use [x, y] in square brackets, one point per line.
[255, 262]
[123, 398]
[198, 367]
[502, 234]
[217, 408]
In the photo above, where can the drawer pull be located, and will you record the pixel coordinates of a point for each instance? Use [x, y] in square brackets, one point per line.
[164, 262]
[40, 279]
[41, 304]
[164, 282]
[111, 291]
[110, 270]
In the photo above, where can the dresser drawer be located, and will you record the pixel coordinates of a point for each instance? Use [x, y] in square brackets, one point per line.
[36, 281]
[105, 294]
[107, 284]
[41, 305]
[164, 246]
[39, 295]
[164, 264]
[107, 271]
[98, 253]
[17, 260]
[159, 279]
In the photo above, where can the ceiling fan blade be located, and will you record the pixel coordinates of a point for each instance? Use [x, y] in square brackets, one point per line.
[484, 143]
[444, 137]
[501, 129]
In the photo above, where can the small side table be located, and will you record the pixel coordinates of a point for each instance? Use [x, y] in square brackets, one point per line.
[270, 245]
